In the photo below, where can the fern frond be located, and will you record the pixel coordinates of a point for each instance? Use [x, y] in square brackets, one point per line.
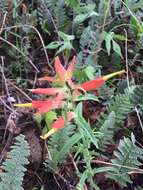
[12, 176]
[53, 13]
[88, 39]
[3, 5]
[107, 131]
[61, 18]
[121, 105]
[136, 95]
[44, 11]
[56, 143]
[88, 44]
[127, 156]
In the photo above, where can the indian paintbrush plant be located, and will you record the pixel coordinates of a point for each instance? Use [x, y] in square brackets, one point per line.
[63, 95]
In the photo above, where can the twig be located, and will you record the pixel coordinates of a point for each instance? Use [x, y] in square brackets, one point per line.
[40, 37]
[9, 108]
[127, 71]
[133, 170]
[12, 45]
[3, 22]
[18, 89]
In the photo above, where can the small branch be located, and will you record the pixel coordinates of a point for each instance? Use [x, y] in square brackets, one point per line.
[12, 45]
[40, 37]
[3, 22]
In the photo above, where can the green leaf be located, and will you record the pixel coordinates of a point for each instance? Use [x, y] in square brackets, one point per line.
[108, 39]
[65, 46]
[86, 97]
[89, 70]
[86, 8]
[82, 17]
[80, 121]
[50, 117]
[72, 3]
[53, 45]
[68, 145]
[137, 25]
[65, 37]
[135, 22]
[119, 37]
[116, 48]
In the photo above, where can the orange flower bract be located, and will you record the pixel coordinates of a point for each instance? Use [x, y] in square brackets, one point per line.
[58, 95]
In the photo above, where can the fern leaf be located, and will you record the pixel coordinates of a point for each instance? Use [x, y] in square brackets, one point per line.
[12, 176]
[136, 95]
[57, 142]
[121, 105]
[3, 5]
[44, 12]
[127, 156]
[107, 131]
[61, 18]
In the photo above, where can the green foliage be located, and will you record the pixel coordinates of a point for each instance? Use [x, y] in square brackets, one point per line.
[84, 127]
[59, 145]
[64, 45]
[13, 167]
[121, 111]
[83, 148]
[3, 5]
[136, 95]
[72, 3]
[88, 44]
[52, 16]
[110, 42]
[127, 156]
[107, 131]
[121, 105]
[96, 32]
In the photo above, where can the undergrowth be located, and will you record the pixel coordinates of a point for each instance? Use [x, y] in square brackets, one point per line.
[104, 36]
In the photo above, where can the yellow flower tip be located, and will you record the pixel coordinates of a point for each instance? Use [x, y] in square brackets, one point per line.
[23, 105]
[106, 77]
[52, 131]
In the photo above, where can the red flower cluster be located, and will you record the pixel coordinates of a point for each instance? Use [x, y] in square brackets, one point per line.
[58, 95]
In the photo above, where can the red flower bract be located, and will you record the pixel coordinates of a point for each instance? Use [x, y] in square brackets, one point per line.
[58, 124]
[46, 105]
[47, 91]
[63, 79]
[92, 84]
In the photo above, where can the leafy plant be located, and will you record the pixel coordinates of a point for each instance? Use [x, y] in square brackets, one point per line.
[63, 46]
[110, 42]
[107, 131]
[13, 167]
[65, 94]
[127, 156]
